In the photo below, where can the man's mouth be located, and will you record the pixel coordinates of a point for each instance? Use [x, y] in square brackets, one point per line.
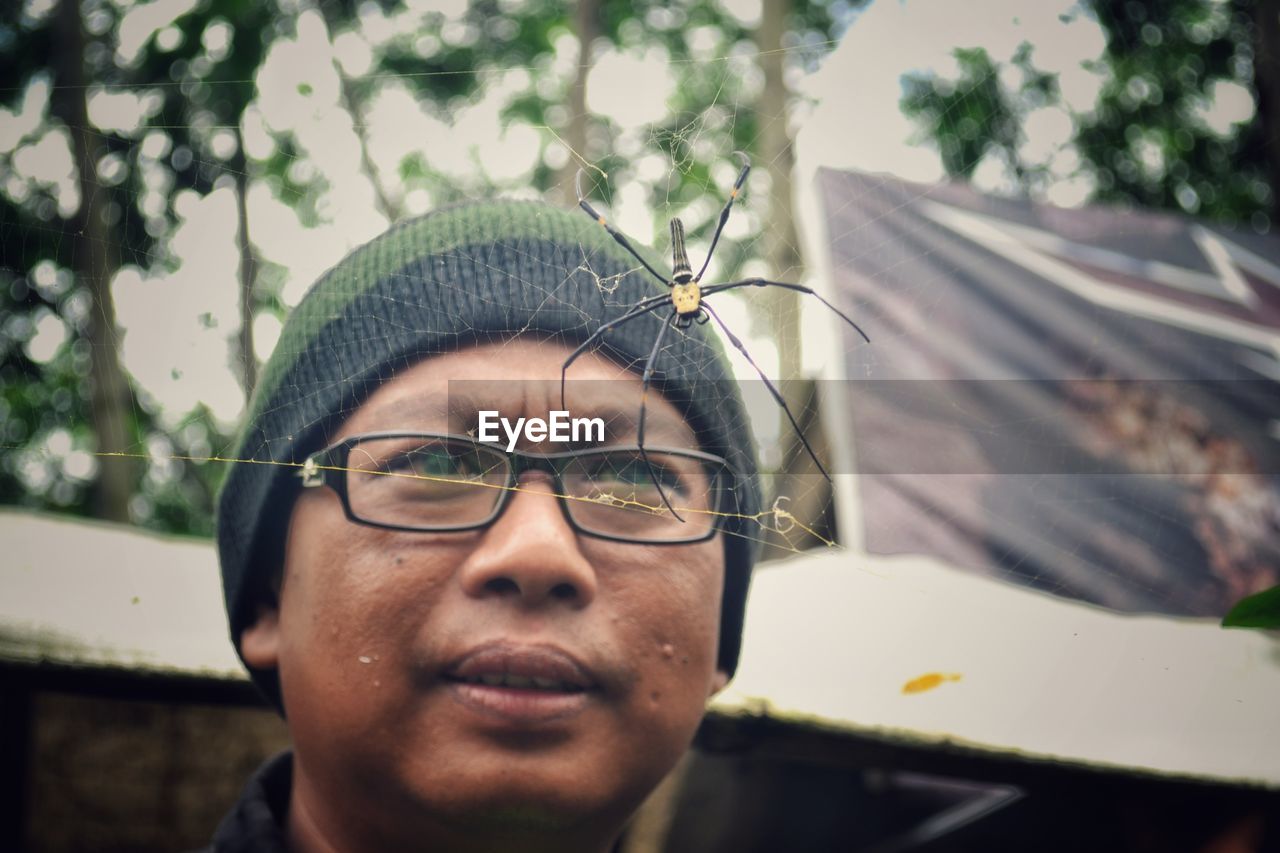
[520, 684]
[523, 682]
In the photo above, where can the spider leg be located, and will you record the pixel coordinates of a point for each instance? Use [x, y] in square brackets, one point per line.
[777, 395]
[644, 307]
[613, 232]
[724, 214]
[800, 288]
[644, 396]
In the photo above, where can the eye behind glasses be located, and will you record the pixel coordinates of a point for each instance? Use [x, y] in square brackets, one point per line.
[438, 482]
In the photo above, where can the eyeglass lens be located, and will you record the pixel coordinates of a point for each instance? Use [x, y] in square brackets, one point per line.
[428, 483]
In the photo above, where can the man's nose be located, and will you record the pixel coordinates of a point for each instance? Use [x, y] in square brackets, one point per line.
[530, 553]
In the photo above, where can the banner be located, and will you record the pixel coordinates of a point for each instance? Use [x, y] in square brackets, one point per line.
[1085, 401]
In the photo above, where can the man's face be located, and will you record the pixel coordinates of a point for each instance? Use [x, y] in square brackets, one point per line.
[380, 634]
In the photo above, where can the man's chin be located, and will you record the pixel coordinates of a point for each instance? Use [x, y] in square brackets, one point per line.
[539, 811]
[522, 818]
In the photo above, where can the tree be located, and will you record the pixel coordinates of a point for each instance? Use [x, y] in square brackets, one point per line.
[127, 177]
[1153, 138]
[977, 114]
[1147, 140]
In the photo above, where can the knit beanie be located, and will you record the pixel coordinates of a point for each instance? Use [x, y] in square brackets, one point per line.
[470, 274]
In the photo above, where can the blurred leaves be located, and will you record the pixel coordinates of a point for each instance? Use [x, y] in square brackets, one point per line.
[1162, 133]
[1147, 141]
[977, 113]
[183, 94]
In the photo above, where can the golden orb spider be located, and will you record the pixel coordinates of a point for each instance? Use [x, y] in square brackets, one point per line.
[687, 299]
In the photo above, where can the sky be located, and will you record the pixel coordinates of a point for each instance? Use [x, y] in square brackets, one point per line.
[176, 326]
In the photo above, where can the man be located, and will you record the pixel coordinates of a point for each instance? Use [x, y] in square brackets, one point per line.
[477, 644]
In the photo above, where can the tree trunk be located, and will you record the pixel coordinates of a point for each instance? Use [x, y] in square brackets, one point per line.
[781, 243]
[246, 356]
[95, 264]
[586, 22]
[1266, 79]
[799, 479]
[387, 205]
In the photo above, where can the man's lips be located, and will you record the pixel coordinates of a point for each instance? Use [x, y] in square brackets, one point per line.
[521, 683]
[535, 666]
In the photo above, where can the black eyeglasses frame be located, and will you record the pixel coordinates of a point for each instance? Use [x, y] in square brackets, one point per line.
[332, 472]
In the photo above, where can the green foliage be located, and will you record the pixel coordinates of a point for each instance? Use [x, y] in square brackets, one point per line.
[977, 113]
[968, 117]
[1260, 610]
[191, 90]
[299, 190]
[1146, 141]
[450, 64]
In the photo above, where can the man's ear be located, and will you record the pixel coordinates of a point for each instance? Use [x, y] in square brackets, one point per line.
[719, 682]
[259, 643]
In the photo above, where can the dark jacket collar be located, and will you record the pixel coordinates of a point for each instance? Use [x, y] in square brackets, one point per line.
[257, 822]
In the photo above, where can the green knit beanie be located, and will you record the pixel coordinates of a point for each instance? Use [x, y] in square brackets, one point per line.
[464, 275]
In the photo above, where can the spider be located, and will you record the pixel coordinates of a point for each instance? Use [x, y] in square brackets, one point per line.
[687, 300]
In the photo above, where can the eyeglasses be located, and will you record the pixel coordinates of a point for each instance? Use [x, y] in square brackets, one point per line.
[436, 482]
